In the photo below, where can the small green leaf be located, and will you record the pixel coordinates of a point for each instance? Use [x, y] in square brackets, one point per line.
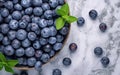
[8, 69]
[69, 19]
[60, 12]
[65, 8]
[12, 63]
[59, 23]
[2, 57]
[1, 66]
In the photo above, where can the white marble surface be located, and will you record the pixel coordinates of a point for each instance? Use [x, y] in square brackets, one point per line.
[84, 62]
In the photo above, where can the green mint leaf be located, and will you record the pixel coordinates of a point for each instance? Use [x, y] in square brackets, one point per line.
[59, 23]
[65, 8]
[60, 12]
[2, 57]
[1, 66]
[69, 19]
[12, 63]
[8, 69]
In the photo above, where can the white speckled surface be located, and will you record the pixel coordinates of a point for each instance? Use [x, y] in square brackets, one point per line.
[84, 62]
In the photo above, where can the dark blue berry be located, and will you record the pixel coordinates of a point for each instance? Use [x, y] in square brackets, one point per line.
[30, 51]
[42, 23]
[26, 18]
[24, 73]
[80, 21]
[61, 2]
[37, 11]
[36, 45]
[50, 22]
[32, 36]
[16, 43]
[57, 72]
[53, 31]
[51, 53]
[8, 50]
[103, 27]
[36, 2]
[57, 46]
[59, 38]
[45, 58]
[21, 34]
[36, 20]
[67, 61]
[73, 47]
[13, 24]
[26, 3]
[45, 6]
[6, 41]
[98, 51]
[43, 41]
[38, 66]
[47, 48]
[9, 5]
[28, 11]
[1, 18]
[8, 19]
[31, 61]
[48, 14]
[16, 15]
[64, 30]
[52, 40]
[45, 32]
[4, 28]
[11, 34]
[93, 14]
[38, 53]
[26, 43]
[34, 26]
[1, 36]
[4, 12]
[53, 3]
[18, 7]
[105, 61]
[23, 24]
[20, 52]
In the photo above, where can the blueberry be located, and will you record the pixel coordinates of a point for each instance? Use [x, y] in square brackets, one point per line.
[16, 43]
[36, 45]
[61, 2]
[1, 36]
[34, 27]
[45, 58]
[35, 20]
[18, 7]
[26, 3]
[37, 11]
[42, 23]
[28, 11]
[47, 48]
[60, 38]
[23, 24]
[67, 61]
[11, 34]
[1, 18]
[52, 40]
[80, 21]
[32, 36]
[24, 73]
[16, 15]
[103, 27]
[20, 61]
[53, 31]
[64, 30]
[43, 41]
[45, 32]
[8, 50]
[4, 28]
[8, 19]
[21, 34]
[38, 66]
[105, 61]
[30, 51]
[26, 43]
[93, 14]
[38, 31]
[45, 6]
[38, 53]
[98, 51]
[53, 3]
[51, 53]
[9, 5]
[50, 22]
[13, 24]
[31, 61]
[20, 52]
[48, 14]
[15, 1]
[73, 47]
[4, 12]
[57, 46]
[26, 17]
[56, 72]
[36, 2]
[5, 41]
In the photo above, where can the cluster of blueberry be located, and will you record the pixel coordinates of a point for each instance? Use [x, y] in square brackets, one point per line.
[27, 31]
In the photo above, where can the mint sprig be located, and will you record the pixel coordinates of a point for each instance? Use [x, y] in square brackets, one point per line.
[63, 12]
[7, 64]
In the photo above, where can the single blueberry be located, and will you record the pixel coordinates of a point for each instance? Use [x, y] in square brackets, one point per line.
[8, 50]
[37, 2]
[38, 65]
[16, 43]
[60, 38]
[31, 61]
[43, 41]
[15, 1]
[8, 19]
[16, 15]
[48, 14]
[26, 43]
[53, 31]
[32, 36]
[21, 34]
[24, 73]
[103, 27]
[11, 35]
[93, 14]
[18, 7]
[37, 11]
[105, 61]
[53, 3]
[61, 2]
[4, 12]
[98, 51]
[23, 24]
[73, 47]
[45, 6]
[38, 53]
[4, 28]
[1, 36]
[47, 48]
[19, 52]
[28, 11]
[56, 72]
[45, 32]
[34, 27]
[45, 58]
[9, 5]
[30, 51]
[51, 53]
[57, 46]
[67, 61]
[6, 41]
[64, 30]
[13, 24]
[50, 22]
[26, 17]
[52, 40]
[35, 20]
[26, 3]
[42, 23]
[20, 61]
[36, 45]
[80, 21]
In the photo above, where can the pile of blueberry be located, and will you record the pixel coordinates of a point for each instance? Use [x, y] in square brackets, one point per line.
[28, 33]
